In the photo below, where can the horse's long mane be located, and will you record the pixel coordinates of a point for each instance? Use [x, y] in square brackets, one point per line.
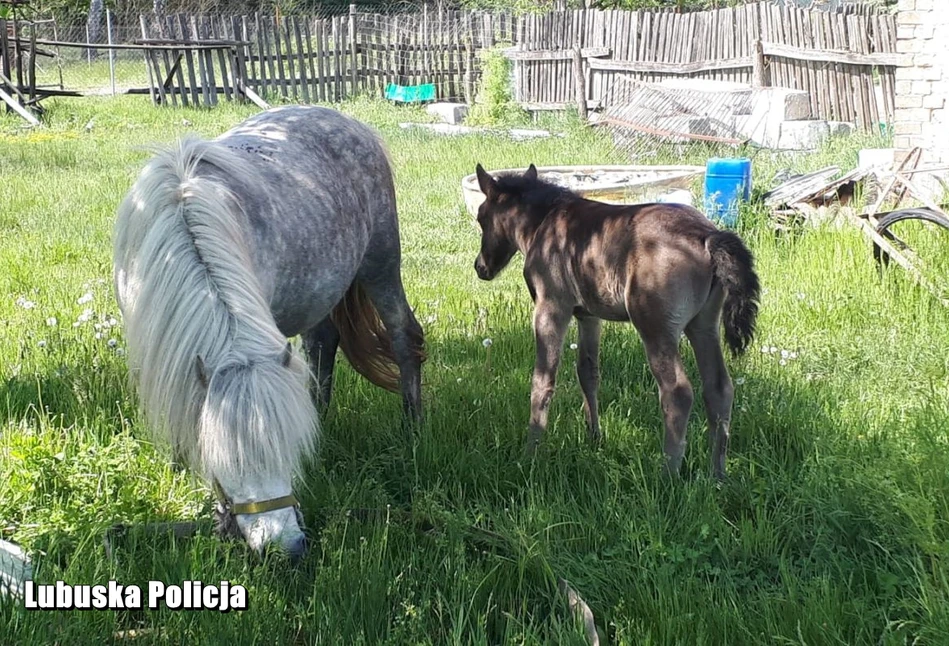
[186, 287]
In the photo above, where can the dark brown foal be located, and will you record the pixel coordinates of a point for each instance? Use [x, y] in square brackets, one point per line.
[664, 267]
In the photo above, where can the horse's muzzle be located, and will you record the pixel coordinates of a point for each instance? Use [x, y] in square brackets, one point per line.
[482, 269]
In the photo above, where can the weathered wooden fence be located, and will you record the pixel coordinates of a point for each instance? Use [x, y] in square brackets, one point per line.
[845, 60]
[321, 59]
[834, 56]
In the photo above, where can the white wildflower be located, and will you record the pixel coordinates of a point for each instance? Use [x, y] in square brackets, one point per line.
[785, 354]
[42, 344]
[783, 362]
[740, 381]
[85, 298]
[98, 335]
[112, 343]
[51, 321]
[487, 343]
[86, 315]
[573, 346]
[772, 350]
[120, 351]
[25, 303]
[458, 380]
[794, 355]
[801, 296]
[97, 326]
[764, 349]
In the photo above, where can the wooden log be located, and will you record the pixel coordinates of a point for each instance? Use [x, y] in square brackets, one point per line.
[16, 107]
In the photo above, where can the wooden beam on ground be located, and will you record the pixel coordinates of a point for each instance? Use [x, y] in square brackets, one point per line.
[253, 96]
[19, 109]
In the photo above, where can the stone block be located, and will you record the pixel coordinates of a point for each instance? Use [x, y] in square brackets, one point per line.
[907, 128]
[909, 45]
[919, 88]
[909, 101]
[906, 5]
[901, 142]
[911, 17]
[906, 32]
[925, 5]
[924, 32]
[453, 113]
[932, 102]
[807, 135]
[905, 87]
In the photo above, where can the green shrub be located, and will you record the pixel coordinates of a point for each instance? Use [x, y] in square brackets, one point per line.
[494, 104]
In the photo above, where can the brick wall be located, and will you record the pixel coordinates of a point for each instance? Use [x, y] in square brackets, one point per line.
[922, 89]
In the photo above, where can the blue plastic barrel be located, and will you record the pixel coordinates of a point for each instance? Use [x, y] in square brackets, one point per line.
[727, 182]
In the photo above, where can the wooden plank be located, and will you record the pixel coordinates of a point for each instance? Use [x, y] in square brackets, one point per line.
[320, 28]
[16, 107]
[652, 67]
[353, 58]
[179, 59]
[337, 64]
[280, 59]
[217, 31]
[307, 49]
[293, 77]
[204, 26]
[153, 92]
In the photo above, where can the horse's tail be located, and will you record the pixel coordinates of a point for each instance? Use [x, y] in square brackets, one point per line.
[210, 364]
[734, 267]
[365, 341]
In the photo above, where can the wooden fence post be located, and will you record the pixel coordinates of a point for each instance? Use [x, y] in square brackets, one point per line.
[759, 75]
[579, 85]
[352, 49]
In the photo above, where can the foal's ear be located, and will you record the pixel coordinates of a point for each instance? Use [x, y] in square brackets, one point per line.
[201, 371]
[531, 173]
[485, 181]
[287, 355]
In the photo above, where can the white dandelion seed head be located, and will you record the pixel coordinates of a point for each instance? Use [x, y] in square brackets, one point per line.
[772, 349]
[764, 349]
[785, 354]
[487, 343]
[783, 362]
[25, 303]
[794, 355]
[77, 324]
[801, 296]
[85, 298]
[120, 351]
[112, 322]
[112, 343]
[573, 346]
[98, 335]
[51, 321]
[97, 326]
[42, 344]
[739, 381]
[458, 380]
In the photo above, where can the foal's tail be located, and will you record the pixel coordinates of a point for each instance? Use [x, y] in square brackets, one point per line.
[734, 267]
[365, 341]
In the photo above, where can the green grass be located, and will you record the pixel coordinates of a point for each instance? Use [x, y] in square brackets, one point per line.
[833, 529]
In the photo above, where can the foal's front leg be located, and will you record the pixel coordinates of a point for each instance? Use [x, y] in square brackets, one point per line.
[550, 329]
[588, 372]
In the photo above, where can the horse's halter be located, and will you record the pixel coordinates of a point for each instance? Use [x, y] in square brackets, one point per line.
[260, 507]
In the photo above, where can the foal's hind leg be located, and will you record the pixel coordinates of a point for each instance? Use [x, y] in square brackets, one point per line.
[588, 372]
[675, 392]
[321, 343]
[388, 295]
[717, 390]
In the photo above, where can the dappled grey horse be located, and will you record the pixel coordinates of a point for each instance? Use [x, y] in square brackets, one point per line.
[285, 225]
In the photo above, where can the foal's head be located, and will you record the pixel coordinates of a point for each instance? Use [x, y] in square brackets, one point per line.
[505, 214]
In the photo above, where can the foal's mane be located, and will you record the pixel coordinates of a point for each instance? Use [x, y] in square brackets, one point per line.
[535, 192]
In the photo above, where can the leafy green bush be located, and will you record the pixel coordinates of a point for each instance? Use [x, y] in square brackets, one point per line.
[494, 104]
